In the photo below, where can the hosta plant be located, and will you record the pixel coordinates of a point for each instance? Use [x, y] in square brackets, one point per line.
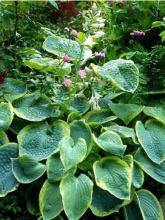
[87, 146]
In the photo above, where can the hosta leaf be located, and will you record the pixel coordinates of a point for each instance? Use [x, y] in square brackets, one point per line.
[8, 182]
[154, 170]
[76, 195]
[39, 140]
[50, 65]
[26, 170]
[149, 205]
[111, 142]
[132, 212]
[50, 200]
[122, 73]
[3, 138]
[32, 197]
[55, 168]
[61, 46]
[129, 160]
[78, 129]
[99, 117]
[6, 115]
[155, 112]
[126, 112]
[72, 153]
[138, 176]
[123, 131]
[73, 116]
[151, 137]
[32, 109]
[114, 175]
[13, 89]
[80, 105]
[104, 203]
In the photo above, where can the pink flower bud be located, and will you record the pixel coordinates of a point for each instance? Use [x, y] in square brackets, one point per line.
[81, 73]
[74, 33]
[67, 82]
[67, 59]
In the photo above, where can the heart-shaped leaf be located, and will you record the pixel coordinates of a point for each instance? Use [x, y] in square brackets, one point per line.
[26, 170]
[114, 175]
[155, 112]
[79, 129]
[126, 112]
[72, 153]
[76, 195]
[32, 109]
[50, 200]
[104, 203]
[123, 74]
[152, 169]
[111, 142]
[151, 137]
[39, 140]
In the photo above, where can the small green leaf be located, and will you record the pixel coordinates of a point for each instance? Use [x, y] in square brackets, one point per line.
[6, 115]
[104, 203]
[39, 140]
[49, 65]
[111, 142]
[123, 74]
[114, 175]
[138, 176]
[152, 169]
[50, 200]
[79, 129]
[98, 117]
[53, 3]
[123, 131]
[80, 105]
[55, 168]
[151, 137]
[8, 183]
[26, 170]
[3, 138]
[72, 153]
[155, 112]
[126, 112]
[76, 195]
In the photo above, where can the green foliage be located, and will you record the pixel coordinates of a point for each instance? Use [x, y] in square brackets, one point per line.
[82, 132]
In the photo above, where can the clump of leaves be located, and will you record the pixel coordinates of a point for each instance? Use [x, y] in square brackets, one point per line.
[87, 144]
